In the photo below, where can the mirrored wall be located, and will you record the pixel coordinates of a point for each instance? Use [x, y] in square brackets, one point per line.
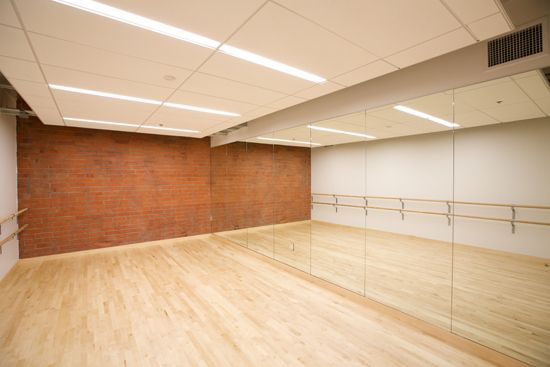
[438, 207]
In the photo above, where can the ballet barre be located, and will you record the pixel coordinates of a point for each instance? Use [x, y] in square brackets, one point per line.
[13, 215]
[7, 239]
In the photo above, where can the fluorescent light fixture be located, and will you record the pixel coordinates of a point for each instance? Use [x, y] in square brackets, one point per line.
[248, 56]
[290, 141]
[341, 132]
[168, 128]
[100, 122]
[101, 94]
[425, 116]
[200, 109]
[138, 21]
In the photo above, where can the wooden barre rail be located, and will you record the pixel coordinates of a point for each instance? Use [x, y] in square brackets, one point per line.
[434, 201]
[435, 213]
[13, 215]
[12, 235]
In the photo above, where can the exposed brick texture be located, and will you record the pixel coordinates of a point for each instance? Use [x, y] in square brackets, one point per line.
[259, 184]
[89, 189]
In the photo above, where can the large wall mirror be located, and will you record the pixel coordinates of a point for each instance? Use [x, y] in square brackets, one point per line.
[438, 207]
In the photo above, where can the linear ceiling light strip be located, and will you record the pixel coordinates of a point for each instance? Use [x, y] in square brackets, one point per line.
[290, 141]
[131, 125]
[341, 132]
[139, 21]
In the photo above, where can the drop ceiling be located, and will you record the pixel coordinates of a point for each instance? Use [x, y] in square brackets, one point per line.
[519, 97]
[44, 42]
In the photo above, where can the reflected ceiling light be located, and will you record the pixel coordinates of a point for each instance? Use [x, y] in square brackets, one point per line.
[101, 94]
[341, 132]
[248, 56]
[425, 116]
[138, 21]
[100, 122]
[290, 141]
[169, 128]
[200, 109]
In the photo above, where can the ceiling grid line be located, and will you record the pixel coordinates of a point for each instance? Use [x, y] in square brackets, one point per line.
[464, 25]
[36, 58]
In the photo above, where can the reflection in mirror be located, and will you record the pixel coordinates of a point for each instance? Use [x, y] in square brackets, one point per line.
[292, 158]
[410, 192]
[338, 190]
[236, 193]
[260, 181]
[218, 182]
[501, 280]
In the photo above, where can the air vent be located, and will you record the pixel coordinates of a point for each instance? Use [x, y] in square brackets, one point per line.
[515, 46]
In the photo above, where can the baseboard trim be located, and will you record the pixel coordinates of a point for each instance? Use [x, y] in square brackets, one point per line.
[447, 337]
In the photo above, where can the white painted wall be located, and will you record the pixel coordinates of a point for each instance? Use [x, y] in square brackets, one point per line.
[8, 191]
[501, 164]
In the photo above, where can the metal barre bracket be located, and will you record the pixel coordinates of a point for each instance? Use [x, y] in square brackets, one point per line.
[513, 226]
[449, 207]
[335, 198]
[335, 207]
[513, 212]
[402, 203]
[366, 211]
[402, 214]
[448, 219]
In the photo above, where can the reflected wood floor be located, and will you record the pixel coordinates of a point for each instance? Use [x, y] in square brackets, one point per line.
[195, 302]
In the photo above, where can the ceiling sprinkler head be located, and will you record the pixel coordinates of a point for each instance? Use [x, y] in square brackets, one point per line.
[170, 78]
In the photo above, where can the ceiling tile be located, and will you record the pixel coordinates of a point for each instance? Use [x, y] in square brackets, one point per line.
[49, 116]
[35, 101]
[515, 112]
[286, 102]
[534, 86]
[13, 43]
[258, 112]
[189, 115]
[100, 83]
[491, 26]
[233, 68]
[392, 115]
[382, 134]
[300, 134]
[354, 118]
[65, 22]
[381, 27]
[336, 139]
[7, 15]
[435, 47]
[481, 85]
[26, 88]
[319, 90]
[471, 10]
[437, 105]
[214, 19]
[488, 96]
[51, 51]
[401, 129]
[19, 69]
[89, 125]
[525, 75]
[428, 125]
[281, 35]
[214, 103]
[474, 118]
[544, 105]
[364, 73]
[181, 122]
[50, 120]
[144, 130]
[229, 89]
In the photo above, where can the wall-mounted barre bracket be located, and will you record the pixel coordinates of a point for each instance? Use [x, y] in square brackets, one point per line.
[513, 212]
[448, 219]
[366, 211]
[402, 203]
[335, 207]
[335, 198]
[7, 239]
[449, 207]
[513, 226]
[366, 201]
[402, 215]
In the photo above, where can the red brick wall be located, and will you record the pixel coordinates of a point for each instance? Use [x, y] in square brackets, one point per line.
[89, 189]
[259, 184]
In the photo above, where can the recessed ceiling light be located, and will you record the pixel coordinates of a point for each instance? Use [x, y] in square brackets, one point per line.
[290, 141]
[138, 21]
[341, 132]
[102, 94]
[425, 116]
[200, 109]
[248, 56]
[100, 122]
[168, 128]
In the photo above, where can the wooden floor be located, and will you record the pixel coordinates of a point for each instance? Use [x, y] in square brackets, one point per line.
[195, 302]
[498, 299]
